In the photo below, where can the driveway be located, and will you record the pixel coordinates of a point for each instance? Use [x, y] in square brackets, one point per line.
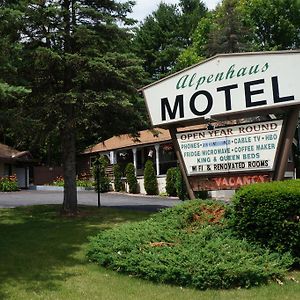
[117, 200]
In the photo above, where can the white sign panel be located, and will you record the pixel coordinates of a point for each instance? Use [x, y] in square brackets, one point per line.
[226, 84]
[240, 148]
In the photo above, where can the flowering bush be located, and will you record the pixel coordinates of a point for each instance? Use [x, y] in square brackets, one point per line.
[8, 184]
[83, 182]
[58, 181]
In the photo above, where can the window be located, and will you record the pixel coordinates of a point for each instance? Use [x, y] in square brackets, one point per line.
[167, 158]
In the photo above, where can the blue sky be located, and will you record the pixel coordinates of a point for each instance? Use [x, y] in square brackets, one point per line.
[144, 8]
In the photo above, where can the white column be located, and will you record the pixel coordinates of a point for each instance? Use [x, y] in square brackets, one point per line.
[134, 159]
[112, 157]
[157, 159]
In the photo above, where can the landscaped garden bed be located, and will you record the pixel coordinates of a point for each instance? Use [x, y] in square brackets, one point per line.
[208, 245]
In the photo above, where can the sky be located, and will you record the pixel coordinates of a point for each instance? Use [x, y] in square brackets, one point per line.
[144, 8]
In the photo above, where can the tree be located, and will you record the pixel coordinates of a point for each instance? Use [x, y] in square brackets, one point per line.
[83, 78]
[165, 33]
[196, 52]
[228, 34]
[192, 12]
[10, 87]
[246, 25]
[157, 41]
[275, 23]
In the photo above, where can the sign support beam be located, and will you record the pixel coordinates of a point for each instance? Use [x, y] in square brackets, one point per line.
[289, 131]
[173, 132]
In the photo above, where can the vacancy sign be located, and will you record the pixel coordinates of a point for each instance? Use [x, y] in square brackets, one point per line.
[226, 85]
[239, 148]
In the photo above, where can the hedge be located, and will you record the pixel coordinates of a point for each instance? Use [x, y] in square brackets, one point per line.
[171, 182]
[188, 245]
[150, 180]
[131, 178]
[269, 213]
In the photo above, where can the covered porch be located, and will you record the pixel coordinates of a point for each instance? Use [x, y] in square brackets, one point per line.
[155, 145]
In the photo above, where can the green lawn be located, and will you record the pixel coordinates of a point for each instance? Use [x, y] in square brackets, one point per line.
[42, 256]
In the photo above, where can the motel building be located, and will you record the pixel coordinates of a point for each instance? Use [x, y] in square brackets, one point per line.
[16, 163]
[155, 145]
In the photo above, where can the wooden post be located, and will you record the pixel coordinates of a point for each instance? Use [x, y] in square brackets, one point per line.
[173, 132]
[291, 121]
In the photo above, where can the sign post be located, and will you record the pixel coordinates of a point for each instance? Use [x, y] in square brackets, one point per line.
[173, 132]
[290, 127]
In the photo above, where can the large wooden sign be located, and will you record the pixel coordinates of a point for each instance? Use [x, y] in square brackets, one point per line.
[229, 87]
[224, 86]
[231, 149]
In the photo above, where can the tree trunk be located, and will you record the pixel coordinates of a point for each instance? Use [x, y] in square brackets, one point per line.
[68, 135]
[69, 163]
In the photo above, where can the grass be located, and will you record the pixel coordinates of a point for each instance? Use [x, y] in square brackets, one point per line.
[42, 256]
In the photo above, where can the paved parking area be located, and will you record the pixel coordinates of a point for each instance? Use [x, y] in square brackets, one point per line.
[117, 200]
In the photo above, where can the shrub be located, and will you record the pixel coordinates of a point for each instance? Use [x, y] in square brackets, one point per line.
[150, 180]
[269, 213]
[171, 182]
[84, 183]
[180, 186]
[188, 245]
[117, 178]
[131, 178]
[8, 184]
[102, 164]
[201, 194]
[59, 181]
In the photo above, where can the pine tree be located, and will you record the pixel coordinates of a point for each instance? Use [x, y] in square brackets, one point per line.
[165, 33]
[228, 33]
[83, 78]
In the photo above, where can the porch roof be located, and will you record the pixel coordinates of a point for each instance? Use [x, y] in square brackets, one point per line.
[144, 137]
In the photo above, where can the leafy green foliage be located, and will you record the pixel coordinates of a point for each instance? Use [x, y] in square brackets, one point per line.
[201, 194]
[245, 25]
[171, 182]
[228, 33]
[59, 181]
[163, 34]
[150, 180]
[269, 213]
[275, 23]
[99, 172]
[188, 245]
[117, 178]
[131, 178]
[8, 184]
